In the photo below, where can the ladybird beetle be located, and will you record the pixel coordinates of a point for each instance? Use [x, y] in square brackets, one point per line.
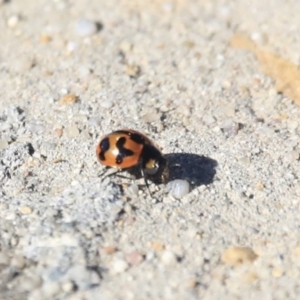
[127, 148]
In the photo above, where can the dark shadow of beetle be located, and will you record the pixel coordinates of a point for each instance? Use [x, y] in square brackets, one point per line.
[196, 169]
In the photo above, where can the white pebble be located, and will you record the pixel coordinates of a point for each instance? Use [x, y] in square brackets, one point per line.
[3, 144]
[13, 21]
[85, 27]
[64, 91]
[292, 124]
[10, 216]
[36, 128]
[168, 258]
[5, 126]
[151, 117]
[256, 150]
[71, 47]
[106, 104]
[50, 289]
[150, 255]
[67, 286]
[230, 127]
[178, 188]
[208, 119]
[84, 71]
[71, 131]
[119, 266]
[222, 111]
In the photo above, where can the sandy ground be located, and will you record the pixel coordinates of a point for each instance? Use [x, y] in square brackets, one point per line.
[72, 71]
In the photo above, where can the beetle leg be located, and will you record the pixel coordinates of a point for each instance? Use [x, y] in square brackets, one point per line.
[107, 172]
[144, 174]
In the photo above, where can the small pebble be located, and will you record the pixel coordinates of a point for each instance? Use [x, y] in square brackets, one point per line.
[5, 126]
[276, 272]
[13, 241]
[18, 261]
[64, 91]
[95, 121]
[68, 99]
[106, 104]
[230, 127]
[151, 117]
[292, 124]
[226, 84]
[192, 283]
[67, 286]
[119, 266]
[13, 21]
[85, 27]
[25, 210]
[235, 256]
[178, 188]
[208, 119]
[3, 144]
[245, 160]
[134, 258]
[108, 250]
[10, 216]
[258, 37]
[125, 46]
[256, 150]
[150, 255]
[223, 111]
[58, 132]
[132, 70]
[85, 135]
[250, 277]
[4, 259]
[50, 289]
[45, 38]
[168, 258]
[71, 131]
[71, 47]
[36, 128]
[84, 72]
[157, 246]
[260, 186]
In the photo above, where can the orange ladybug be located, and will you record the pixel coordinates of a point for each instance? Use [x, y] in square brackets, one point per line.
[127, 148]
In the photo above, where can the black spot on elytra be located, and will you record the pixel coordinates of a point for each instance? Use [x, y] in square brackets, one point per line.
[123, 152]
[137, 138]
[104, 146]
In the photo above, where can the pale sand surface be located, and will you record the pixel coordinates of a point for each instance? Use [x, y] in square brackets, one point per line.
[165, 68]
